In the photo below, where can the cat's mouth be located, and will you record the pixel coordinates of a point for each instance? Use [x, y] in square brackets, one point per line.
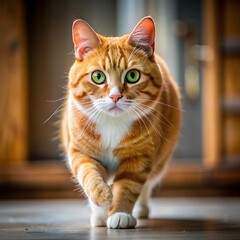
[115, 109]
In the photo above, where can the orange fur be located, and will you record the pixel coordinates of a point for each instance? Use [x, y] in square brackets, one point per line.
[149, 141]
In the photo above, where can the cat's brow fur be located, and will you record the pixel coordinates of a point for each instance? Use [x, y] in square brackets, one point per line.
[135, 146]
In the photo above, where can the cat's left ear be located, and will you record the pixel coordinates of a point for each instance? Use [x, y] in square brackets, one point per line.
[143, 35]
[84, 38]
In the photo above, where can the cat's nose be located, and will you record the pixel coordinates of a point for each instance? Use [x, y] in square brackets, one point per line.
[115, 94]
[116, 97]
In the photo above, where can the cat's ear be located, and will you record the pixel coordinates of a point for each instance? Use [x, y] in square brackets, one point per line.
[143, 35]
[84, 38]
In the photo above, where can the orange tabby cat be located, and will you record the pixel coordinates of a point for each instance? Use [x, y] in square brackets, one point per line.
[121, 122]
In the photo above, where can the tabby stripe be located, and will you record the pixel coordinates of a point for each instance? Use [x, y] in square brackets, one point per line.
[88, 176]
[151, 95]
[126, 203]
[124, 58]
[76, 83]
[103, 64]
[116, 63]
[142, 85]
[114, 60]
[80, 96]
[119, 61]
[155, 84]
[130, 176]
[108, 56]
[136, 158]
[76, 163]
[131, 195]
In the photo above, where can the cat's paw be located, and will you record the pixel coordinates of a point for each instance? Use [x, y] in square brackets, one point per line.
[102, 195]
[98, 220]
[121, 220]
[140, 211]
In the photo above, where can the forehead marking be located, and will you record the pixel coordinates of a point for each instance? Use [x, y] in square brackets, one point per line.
[115, 58]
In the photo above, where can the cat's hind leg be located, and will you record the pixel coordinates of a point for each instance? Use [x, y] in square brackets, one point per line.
[141, 208]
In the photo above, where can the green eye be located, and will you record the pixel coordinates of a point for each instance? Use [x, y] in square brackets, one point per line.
[98, 77]
[132, 76]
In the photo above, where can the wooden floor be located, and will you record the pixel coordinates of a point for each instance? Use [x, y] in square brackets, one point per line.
[175, 218]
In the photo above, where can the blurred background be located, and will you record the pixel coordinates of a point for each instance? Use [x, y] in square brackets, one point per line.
[200, 41]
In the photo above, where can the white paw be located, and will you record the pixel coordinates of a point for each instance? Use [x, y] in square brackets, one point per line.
[98, 220]
[121, 220]
[140, 211]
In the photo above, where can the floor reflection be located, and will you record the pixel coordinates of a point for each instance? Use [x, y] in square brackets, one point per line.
[173, 229]
[186, 219]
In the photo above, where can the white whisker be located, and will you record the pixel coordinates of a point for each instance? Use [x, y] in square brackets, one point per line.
[57, 100]
[147, 114]
[59, 109]
[140, 118]
[159, 118]
[153, 124]
[162, 103]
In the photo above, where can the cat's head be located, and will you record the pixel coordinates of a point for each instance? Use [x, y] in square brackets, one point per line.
[115, 76]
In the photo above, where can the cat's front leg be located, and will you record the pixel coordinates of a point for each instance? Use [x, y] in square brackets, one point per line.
[99, 215]
[91, 175]
[126, 189]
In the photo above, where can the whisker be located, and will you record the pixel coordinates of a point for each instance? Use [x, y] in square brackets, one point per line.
[57, 100]
[140, 118]
[161, 134]
[88, 115]
[161, 115]
[162, 103]
[59, 109]
[90, 121]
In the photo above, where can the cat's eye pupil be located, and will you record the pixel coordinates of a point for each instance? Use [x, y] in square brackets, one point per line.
[132, 75]
[98, 75]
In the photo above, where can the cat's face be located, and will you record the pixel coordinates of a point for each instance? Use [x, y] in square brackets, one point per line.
[114, 76]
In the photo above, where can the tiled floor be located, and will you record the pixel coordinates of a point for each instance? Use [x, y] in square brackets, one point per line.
[175, 218]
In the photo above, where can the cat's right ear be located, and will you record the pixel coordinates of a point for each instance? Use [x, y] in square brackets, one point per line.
[84, 38]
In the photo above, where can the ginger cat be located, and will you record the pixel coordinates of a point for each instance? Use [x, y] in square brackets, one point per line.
[121, 122]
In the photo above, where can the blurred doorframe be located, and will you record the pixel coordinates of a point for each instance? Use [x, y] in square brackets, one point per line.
[24, 179]
[211, 89]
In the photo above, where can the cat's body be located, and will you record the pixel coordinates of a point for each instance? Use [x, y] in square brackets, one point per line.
[121, 122]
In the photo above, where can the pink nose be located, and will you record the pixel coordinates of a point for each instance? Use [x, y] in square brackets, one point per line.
[116, 97]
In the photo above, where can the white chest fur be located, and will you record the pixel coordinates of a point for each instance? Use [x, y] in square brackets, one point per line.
[112, 131]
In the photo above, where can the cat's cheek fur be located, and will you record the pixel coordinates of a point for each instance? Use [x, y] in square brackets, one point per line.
[78, 105]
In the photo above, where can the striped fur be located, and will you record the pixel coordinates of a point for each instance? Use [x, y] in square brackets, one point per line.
[132, 145]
